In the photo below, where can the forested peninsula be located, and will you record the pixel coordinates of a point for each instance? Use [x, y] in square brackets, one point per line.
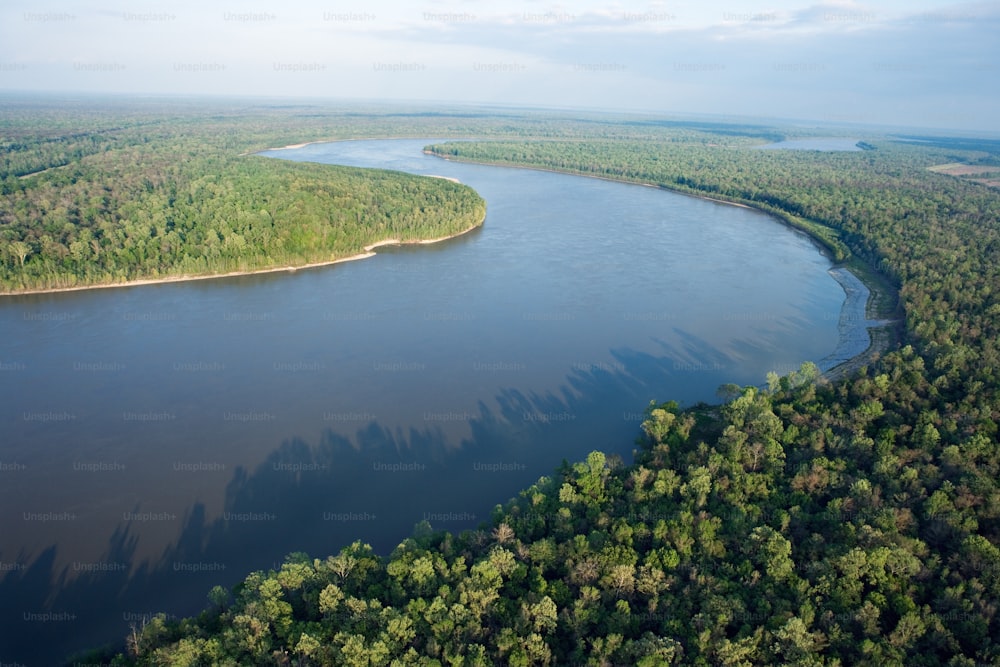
[806, 522]
[160, 199]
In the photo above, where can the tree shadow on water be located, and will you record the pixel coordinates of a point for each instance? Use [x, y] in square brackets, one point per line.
[313, 497]
[374, 486]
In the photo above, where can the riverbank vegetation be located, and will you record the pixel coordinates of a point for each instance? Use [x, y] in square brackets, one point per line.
[806, 522]
[159, 199]
[772, 531]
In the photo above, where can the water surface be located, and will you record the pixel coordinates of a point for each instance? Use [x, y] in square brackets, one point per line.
[159, 440]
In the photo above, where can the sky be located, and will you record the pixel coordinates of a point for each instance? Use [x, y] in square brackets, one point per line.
[919, 63]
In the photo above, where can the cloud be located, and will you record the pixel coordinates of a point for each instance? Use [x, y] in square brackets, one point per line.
[884, 63]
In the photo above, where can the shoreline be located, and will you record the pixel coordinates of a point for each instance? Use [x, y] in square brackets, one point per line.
[257, 151]
[603, 178]
[288, 147]
[368, 251]
[882, 331]
[879, 331]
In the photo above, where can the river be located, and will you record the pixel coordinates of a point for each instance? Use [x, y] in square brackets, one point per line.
[162, 439]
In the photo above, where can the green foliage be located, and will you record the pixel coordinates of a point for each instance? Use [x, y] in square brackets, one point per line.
[809, 522]
[811, 575]
[165, 198]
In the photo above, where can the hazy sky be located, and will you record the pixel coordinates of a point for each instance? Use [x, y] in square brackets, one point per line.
[913, 62]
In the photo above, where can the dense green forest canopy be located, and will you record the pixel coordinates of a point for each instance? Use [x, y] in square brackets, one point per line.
[144, 195]
[807, 522]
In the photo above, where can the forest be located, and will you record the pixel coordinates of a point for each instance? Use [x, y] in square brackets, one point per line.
[159, 198]
[805, 521]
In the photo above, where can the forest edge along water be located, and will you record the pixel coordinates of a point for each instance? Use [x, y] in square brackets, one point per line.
[345, 342]
[878, 321]
[878, 318]
[369, 251]
[253, 307]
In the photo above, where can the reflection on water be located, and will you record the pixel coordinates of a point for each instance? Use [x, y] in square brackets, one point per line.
[160, 440]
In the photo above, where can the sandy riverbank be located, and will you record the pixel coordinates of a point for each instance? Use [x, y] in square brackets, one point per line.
[294, 146]
[369, 251]
[284, 148]
[883, 332]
